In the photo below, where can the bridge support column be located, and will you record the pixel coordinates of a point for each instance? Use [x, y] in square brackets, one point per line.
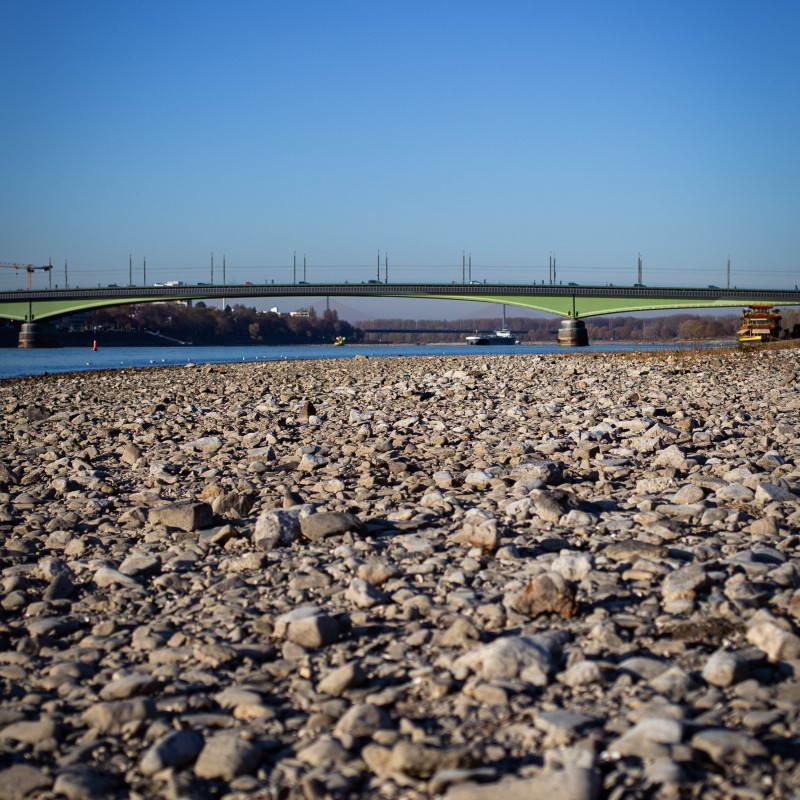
[37, 334]
[572, 333]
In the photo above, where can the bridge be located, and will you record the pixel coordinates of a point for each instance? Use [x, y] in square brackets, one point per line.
[572, 302]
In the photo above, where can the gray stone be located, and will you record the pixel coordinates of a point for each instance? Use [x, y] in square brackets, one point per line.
[225, 756]
[205, 445]
[308, 626]
[21, 780]
[114, 716]
[363, 719]
[84, 783]
[772, 493]
[773, 636]
[186, 515]
[724, 668]
[176, 750]
[363, 595]
[129, 686]
[30, 731]
[722, 745]
[529, 658]
[332, 523]
[337, 681]
[277, 528]
[650, 738]
[566, 784]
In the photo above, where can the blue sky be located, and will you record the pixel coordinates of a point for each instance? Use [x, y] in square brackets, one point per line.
[506, 130]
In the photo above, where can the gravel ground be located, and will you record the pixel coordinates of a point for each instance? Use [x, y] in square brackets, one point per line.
[563, 576]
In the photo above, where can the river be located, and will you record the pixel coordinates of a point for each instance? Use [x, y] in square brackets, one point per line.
[15, 363]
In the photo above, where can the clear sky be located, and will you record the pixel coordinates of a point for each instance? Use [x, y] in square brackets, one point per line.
[596, 131]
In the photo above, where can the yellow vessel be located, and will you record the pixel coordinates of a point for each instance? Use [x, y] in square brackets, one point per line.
[760, 323]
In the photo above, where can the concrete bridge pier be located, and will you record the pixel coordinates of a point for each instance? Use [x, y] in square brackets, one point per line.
[38, 334]
[572, 333]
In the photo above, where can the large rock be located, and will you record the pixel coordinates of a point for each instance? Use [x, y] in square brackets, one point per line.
[226, 756]
[529, 658]
[547, 593]
[279, 527]
[330, 523]
[176, 750]
[186, 515]
[308, 626]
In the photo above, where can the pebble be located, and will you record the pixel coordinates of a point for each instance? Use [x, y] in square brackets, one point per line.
[449, 576]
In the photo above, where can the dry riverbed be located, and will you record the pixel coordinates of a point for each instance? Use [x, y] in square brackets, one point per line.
[480, 576]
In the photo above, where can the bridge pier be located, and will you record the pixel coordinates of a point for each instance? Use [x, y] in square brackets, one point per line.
[572, 333]
[37, 334]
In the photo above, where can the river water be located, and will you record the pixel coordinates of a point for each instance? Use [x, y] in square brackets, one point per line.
[18, 363]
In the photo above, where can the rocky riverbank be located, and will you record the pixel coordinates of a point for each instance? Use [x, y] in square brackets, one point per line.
[555, 576]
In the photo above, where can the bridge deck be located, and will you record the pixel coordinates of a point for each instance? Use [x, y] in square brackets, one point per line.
[564, 301]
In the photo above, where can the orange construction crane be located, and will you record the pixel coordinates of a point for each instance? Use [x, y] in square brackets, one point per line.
[29, 268]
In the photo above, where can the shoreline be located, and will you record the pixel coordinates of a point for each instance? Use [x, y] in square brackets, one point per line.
[403, 577]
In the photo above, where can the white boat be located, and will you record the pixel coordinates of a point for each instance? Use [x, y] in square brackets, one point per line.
[498, 337]
[503, 337]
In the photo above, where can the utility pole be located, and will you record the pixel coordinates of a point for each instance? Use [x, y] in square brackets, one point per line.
[66, 282]
[378, 276]
[639, 280]
[304, 267]
[130, 270]
[294, 266]
[224, 282]
[144, 261]
[50, 272]
[470, 267]
[386, 268]
[729, 272]
[212, 266]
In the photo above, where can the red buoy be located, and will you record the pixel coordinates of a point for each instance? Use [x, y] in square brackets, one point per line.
[94, 346]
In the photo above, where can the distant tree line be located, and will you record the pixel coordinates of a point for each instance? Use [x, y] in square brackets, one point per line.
[205, 325]
[673, 327]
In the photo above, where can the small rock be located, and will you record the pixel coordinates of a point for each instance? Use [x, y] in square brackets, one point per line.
[545, 594]
[724, 668]
[338, 681]
[226, 756]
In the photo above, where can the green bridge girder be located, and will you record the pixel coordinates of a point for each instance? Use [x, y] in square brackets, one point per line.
[563, 301]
